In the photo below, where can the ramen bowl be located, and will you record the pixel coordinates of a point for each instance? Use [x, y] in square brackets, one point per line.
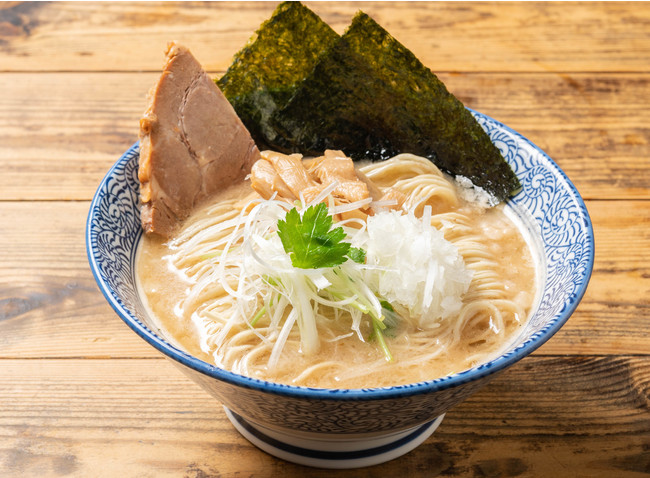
[347, 428]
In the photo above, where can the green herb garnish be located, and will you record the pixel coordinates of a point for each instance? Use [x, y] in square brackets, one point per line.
[357, 254]
[311, 242]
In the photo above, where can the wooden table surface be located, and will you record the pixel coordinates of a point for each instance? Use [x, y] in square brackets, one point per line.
[82, 395]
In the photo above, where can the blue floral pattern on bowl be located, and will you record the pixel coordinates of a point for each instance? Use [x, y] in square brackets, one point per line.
[548, 203]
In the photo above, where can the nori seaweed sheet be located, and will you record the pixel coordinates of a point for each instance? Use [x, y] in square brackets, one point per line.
[265, 73]
[335, 108]
[372, 98]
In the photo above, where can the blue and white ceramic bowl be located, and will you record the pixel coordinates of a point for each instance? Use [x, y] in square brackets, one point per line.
[337, 428]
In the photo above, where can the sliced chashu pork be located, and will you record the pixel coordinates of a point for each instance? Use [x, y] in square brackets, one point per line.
[192, 143]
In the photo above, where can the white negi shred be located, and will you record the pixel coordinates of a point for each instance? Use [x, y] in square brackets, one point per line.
[416, 266]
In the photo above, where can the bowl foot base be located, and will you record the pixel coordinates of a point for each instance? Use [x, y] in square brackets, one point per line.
[330, 450]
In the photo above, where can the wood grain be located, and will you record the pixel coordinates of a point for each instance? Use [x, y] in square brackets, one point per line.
[596, 129]
[62, 417]
[539, 36]
[50, 305]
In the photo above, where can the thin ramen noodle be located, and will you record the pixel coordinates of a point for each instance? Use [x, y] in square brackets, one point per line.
[198, 313]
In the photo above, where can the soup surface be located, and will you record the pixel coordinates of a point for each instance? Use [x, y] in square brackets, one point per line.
[196, 313]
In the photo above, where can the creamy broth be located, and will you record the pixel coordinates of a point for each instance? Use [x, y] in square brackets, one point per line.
[504, 276]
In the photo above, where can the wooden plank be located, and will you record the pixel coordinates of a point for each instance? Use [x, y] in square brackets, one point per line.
[619, 289]
[59, 146]
[567, 416]
[49, 302]
[447, 36]
[51, 307]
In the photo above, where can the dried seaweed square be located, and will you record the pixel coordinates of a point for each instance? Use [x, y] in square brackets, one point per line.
[265, 73]
[371, 97]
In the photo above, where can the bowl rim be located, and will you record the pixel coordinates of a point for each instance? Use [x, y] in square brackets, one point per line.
[358, 394]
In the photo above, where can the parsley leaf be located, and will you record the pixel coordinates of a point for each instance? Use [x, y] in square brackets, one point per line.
[358, 255]
[311, 242]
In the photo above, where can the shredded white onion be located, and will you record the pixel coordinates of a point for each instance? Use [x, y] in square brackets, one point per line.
[419, 269]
